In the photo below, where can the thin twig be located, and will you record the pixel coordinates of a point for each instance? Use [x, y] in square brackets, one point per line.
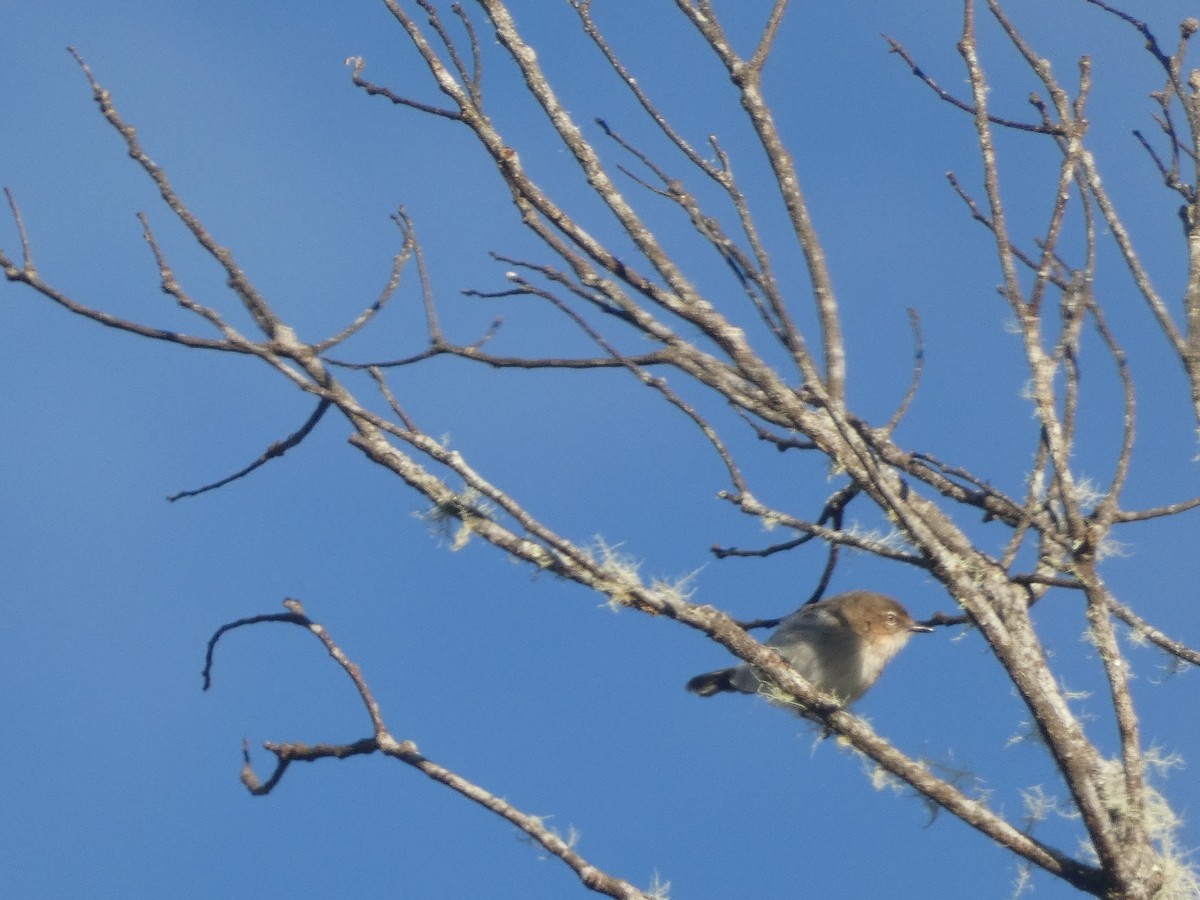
[583, 9]
[389, 289]
[914, 322]
[275, 451]
[357, 64]
[253, 301]
[900, 50]
[27, 265]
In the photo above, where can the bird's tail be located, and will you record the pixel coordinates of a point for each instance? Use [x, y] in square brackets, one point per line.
[712, 683]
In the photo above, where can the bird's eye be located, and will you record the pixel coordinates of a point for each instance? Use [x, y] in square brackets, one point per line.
[891, 617]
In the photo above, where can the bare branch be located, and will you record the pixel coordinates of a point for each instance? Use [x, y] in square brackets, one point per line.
[748, 80]
[406, 752]
[980, 216]
[914, 321]
[27, 265]
[254, 303]
[879, 547]
[357, 64]
[584, 10]
[34, 281]
[752, 280]
[1144, 629]
[475, 81]
[171, 287]
[275, 451]
[900, 50]
[1157, 512]
[770, 32]
[469, 79]
[1076, 758]
[399, 261]
[1151, 41]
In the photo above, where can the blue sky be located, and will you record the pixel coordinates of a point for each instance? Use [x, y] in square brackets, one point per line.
[120, 776]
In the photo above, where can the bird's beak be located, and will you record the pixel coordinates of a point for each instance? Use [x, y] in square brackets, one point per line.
[920, 629]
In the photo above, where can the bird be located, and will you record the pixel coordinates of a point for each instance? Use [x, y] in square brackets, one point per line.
[839, 645]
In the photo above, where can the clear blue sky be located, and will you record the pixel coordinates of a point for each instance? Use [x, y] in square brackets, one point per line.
[119, 777]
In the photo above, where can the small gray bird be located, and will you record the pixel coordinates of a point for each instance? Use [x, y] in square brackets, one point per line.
[840, 645]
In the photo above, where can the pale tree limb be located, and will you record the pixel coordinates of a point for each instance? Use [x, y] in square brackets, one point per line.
[404, 751]
[747, 77]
